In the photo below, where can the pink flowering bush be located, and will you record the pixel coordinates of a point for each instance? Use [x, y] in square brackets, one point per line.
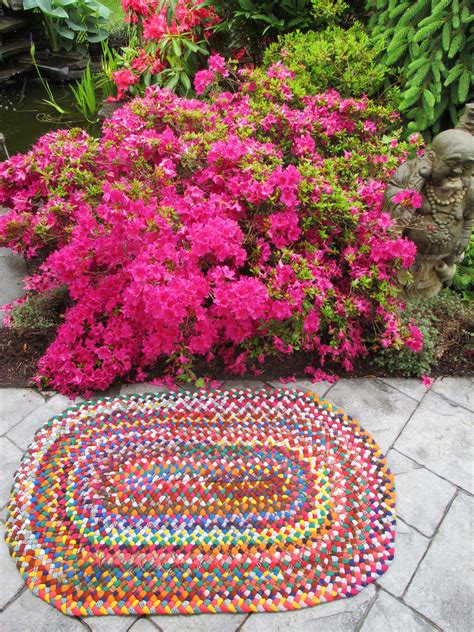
[238, 227]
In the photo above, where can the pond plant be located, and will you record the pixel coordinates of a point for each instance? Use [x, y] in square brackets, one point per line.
[72, 24]
[240, 226]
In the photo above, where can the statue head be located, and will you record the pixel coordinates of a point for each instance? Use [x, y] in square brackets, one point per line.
[451, 159]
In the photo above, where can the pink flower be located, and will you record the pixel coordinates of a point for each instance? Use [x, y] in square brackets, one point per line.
[415, 341]
[287, 380]
[427, 381]
[202, 80]
[217, 64]
[123, 80]
[408, 198]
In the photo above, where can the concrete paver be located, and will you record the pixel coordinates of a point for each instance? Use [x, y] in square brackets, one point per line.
[439, 436]
[457, 389]
[200, 623]
[29, 613]
[11, 581]
[443, 586]
[422, 497]
[16, 403]
[410, 547]
[22, 434]
[381, 409]
[10, 457]
[12, 273]
[389, 615]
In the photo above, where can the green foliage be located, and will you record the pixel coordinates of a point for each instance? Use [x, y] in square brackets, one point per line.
[40, 311]
[71, 24]
[444, 321]
[429, 43]
[334, 58]
[84, 93]
[403, 360]
[248, 22]
[463, 281]
[117, 14]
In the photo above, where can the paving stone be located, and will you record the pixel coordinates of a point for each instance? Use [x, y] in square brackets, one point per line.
[422, 497]
[342, 615]
[439, 436]
[143, 625]
[442, 588]
[199, 623]
[409, 549]
[389, 615]
[412, 387]
[110, 624]
[28, 613]
[22, 434]
[11, 581]
[192, 388]
[12, 272]
[10, 457]
[16, 403]
[256, 384]
[141, 387]
[320, 388]
[112, 391]
[458, 389]
[380, 409]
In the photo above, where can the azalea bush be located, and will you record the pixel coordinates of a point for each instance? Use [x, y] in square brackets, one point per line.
[237, 227]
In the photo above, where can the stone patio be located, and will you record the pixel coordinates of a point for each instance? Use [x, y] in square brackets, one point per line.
[427, 436]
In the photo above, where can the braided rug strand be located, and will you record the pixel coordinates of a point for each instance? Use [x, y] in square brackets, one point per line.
[219, 501]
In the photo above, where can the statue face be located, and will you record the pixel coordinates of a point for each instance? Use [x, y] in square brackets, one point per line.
[452, 164]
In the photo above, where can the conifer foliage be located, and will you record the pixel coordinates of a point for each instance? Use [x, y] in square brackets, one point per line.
[432, 43]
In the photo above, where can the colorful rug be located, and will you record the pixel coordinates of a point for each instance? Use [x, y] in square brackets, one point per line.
[220, 501]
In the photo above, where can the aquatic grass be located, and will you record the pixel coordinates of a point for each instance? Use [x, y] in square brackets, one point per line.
[84, 93]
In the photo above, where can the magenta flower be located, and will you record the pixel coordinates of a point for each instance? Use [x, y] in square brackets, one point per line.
[408, 198]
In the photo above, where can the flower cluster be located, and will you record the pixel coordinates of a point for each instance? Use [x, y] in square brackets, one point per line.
[185, 33]
[238, 227]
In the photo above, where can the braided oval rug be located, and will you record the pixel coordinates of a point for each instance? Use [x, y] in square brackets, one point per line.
[219, 501]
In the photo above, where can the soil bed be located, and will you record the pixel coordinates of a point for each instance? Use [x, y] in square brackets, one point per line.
[20, 351]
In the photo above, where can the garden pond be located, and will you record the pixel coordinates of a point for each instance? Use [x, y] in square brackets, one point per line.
[25, 116]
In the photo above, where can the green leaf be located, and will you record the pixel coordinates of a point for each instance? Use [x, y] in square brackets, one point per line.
[446, 36]
[396, 54]
[428, 30]
[456, 45]
[429, 100]
[67, 33]
[463, 87]
[417, 63]
[172, 82]
[185, 81]
[453, 74]
[176, 47]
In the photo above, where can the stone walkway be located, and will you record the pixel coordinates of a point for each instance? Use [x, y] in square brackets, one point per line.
[427, 436]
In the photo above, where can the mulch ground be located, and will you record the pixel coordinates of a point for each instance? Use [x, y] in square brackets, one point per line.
[20, 351]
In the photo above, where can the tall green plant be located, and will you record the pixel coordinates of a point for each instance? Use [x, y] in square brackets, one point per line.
[84, 93]
[429, 43]
[71, 24]
[249, 21]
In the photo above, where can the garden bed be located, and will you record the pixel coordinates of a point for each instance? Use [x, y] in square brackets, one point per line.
[21, 349]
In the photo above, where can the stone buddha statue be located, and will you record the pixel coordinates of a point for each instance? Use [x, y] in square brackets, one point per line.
[441, 227]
